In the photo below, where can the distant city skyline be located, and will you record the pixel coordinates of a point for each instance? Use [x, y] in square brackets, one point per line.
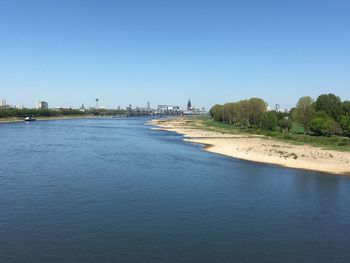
[131, 52]
[95, 104]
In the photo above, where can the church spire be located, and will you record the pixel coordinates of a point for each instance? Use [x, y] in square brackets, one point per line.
[189, 104]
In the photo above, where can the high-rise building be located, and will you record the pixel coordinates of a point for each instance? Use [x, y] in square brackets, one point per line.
[148, 105]
[3, 103]
[189, 105]
[42, 105]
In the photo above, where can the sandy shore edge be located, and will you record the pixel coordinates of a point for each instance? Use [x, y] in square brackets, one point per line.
[261, 149]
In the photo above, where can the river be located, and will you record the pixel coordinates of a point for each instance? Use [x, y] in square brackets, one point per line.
[113, 190]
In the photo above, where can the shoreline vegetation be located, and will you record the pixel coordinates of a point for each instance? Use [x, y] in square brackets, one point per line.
[230, 141]
[41, 118]
[8, 115]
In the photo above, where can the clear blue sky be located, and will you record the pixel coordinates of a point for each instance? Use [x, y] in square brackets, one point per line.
[166, 51]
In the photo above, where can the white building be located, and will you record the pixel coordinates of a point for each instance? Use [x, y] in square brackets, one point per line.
[42, 105]
[168, 109]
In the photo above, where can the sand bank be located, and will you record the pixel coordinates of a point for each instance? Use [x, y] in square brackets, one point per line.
[262, 149]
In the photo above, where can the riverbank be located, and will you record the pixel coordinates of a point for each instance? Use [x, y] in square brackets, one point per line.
[259, 148]
[18, 119]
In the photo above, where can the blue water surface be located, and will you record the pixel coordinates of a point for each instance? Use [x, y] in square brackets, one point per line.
[113, 190]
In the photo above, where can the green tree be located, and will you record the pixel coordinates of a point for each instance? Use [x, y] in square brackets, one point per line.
[256, 109]
[216, 112]
[322, 124]
[280, 115]
[346, 107]
[285, 124]
[331, 104]
[269, 121]
[228, 111]
[242, 114]
[304, 112]
[345, 125]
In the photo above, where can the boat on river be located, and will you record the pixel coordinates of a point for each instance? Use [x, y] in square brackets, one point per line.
[29, 118]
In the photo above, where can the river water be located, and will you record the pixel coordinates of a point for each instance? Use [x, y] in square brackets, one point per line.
[113, 190]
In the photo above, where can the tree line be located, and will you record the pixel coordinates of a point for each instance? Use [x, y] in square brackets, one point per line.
[21, 113]
[326, 116]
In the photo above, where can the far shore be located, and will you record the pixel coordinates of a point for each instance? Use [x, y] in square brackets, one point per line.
[19, 119]
[261, 149]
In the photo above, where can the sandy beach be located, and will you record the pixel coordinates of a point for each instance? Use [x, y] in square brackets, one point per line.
[261, 149]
